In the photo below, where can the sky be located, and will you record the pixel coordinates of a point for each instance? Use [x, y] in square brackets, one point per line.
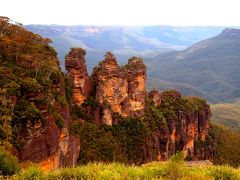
[124, 12]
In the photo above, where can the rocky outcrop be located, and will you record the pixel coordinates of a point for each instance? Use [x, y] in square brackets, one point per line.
[116, 91]
[39, 106]
[44, 131]
[77, 75]
[120, 90]
[136, 76]
[155, 97]
[111, 87]
[45, 143]
[231, 33]
[186, 131]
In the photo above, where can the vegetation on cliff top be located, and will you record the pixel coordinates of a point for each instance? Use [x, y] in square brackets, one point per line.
[30, 81]
[125, 140]
[228, 145]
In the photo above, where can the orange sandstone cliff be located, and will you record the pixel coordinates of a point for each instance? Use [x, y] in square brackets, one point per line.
[122, 91]
[117, 90]
[42, 105]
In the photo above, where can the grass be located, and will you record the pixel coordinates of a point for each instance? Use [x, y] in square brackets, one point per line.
[117, 171]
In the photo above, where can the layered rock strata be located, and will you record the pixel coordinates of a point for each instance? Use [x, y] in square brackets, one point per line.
[48, 141]
[120, 89]
[187, 132]
[77, 74]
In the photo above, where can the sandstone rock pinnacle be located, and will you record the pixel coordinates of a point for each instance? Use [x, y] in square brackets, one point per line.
[77, 74]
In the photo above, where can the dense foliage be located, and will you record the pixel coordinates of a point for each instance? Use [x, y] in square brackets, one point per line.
[30, 81]
[228, 145]
[126, 140]
[119, 142]
[8, 163]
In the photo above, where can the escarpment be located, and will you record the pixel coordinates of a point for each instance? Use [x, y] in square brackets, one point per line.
[176, 123]
[185, 129]
[43, 121]
[48, 113]
[33, 99]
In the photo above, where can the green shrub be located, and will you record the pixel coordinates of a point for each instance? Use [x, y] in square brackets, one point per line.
[131, 133]
[174, 166]
[56, 77]
[30, 85]
[13, 88]
[31, 173]
[59, 120]
[224, 172]
[68, 89]
[26, 110]
[227, 145]
[154, 118]
[98, 144]
[61, 99]
[91, 101]
[118, 171]
[8, 163]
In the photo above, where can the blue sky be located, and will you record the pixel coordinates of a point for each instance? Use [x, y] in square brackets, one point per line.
[124, 12]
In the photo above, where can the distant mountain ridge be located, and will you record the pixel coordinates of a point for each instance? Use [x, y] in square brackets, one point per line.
[123, 41]
[210, 66]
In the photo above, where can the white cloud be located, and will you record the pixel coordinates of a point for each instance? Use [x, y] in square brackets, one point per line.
[123, 12]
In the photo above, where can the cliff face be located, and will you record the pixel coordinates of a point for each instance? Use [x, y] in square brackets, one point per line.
[47, 145]
[77, 74]
[42, 110]
[47, 140]
[121, 91]
[186, 127]
[136, 76]
[32, 84]
[111, 87]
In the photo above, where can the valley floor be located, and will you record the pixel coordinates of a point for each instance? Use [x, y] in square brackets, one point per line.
[155, 170]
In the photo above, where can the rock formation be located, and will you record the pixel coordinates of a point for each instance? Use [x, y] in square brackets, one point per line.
[187, 132]
[120, 90]
[41, 107]
[38, 117]
[155, 97]
[77, 74]
[111, 87]
[44, 141]
[115, 90]
[47, 145]
[136, 76]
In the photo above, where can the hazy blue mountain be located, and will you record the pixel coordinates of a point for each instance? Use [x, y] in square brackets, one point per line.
[125, 42]
[209, 68]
